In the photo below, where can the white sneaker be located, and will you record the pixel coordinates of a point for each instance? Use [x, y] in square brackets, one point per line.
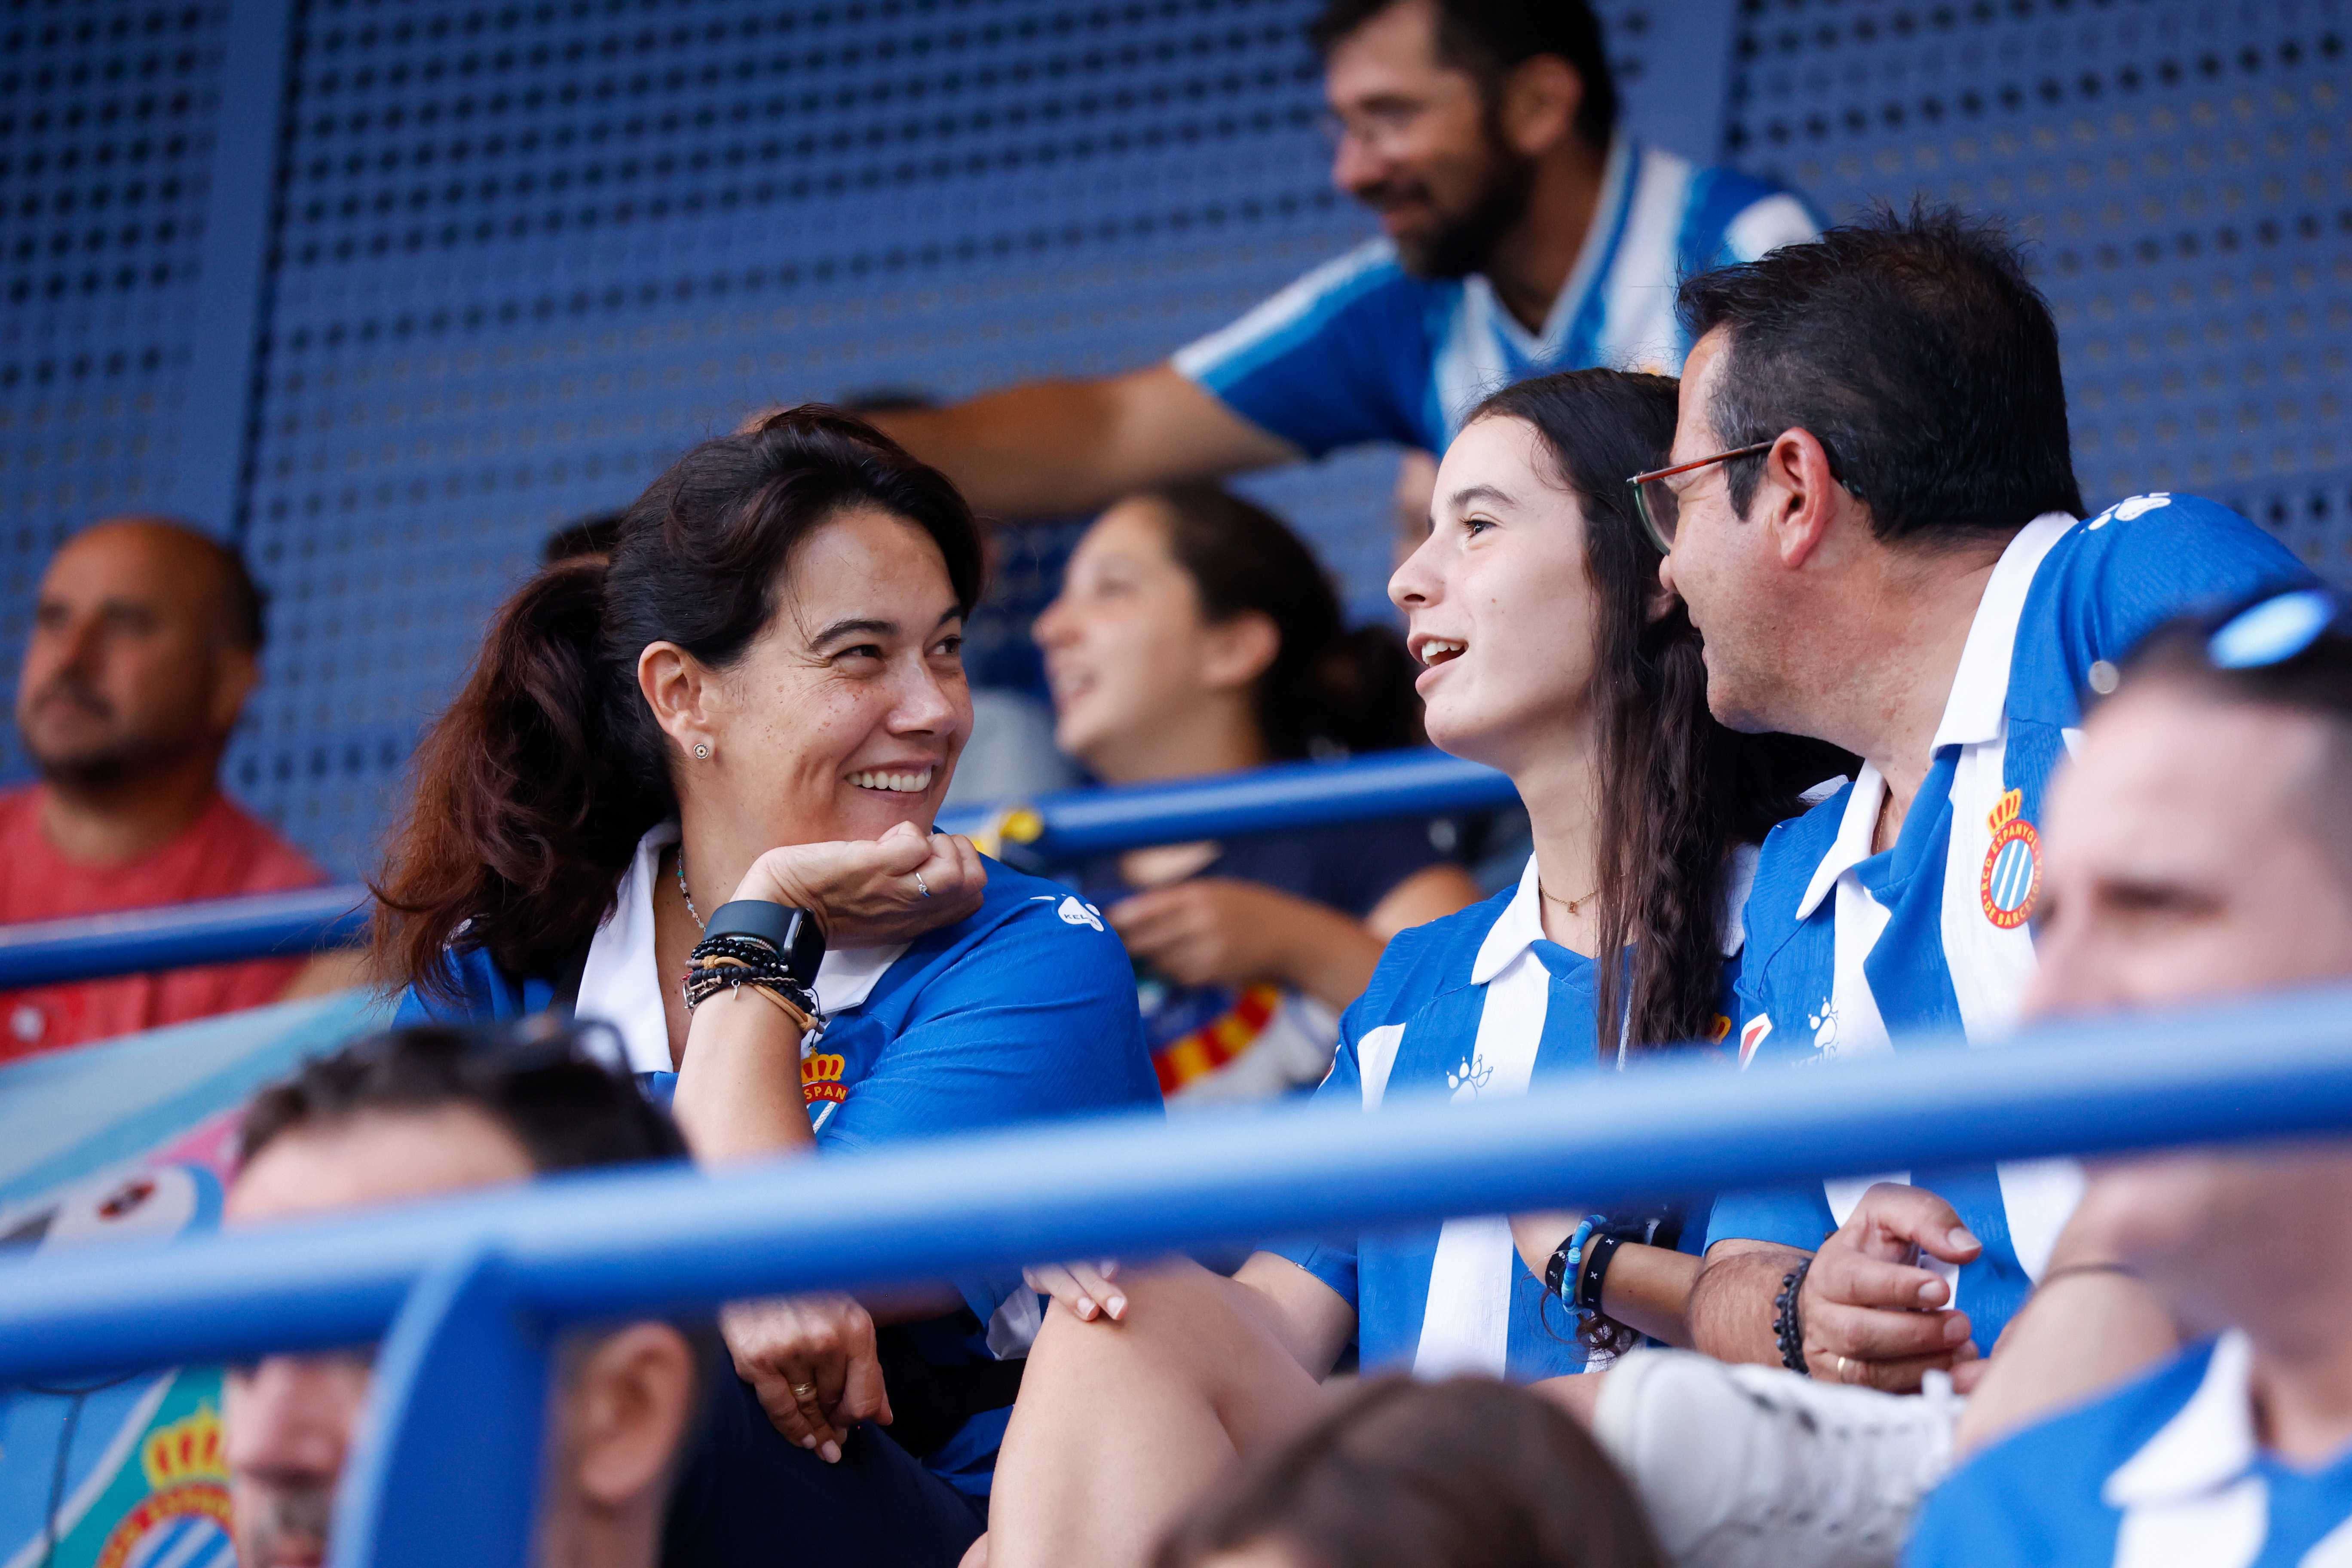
[1752, 1467]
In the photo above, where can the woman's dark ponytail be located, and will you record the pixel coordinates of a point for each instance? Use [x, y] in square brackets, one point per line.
[522, 824]
[534, 788]
[1330, 689]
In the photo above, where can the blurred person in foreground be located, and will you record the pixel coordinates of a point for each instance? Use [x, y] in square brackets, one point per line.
[762, 687]
[2200, 847]
[1196, 635]
[1548, 653]
[654, 1447]
[146, 643]
[1526, 230]
[1871, 515]
[1467, 1473]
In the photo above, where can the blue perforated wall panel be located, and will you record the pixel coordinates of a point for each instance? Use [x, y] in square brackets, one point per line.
[2181, 165]
[505, 259]
[107, 115]
[524, 256]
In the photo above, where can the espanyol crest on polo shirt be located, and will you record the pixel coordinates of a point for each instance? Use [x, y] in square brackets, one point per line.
[2013, 864]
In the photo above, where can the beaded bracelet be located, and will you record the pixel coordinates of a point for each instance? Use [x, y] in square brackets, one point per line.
[718, 965]
[1788, 1321]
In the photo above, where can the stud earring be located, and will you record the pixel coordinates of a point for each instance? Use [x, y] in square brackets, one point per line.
[701, 749]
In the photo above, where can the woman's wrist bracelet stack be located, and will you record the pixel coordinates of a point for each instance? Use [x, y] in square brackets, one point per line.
[735, 963]
[1580, 1264]
[1788, 1317]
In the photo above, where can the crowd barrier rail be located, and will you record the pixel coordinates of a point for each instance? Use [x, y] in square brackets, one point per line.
[1055, 830]
[470, 1293]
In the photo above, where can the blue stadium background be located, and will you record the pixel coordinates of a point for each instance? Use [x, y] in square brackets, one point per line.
[389, 289]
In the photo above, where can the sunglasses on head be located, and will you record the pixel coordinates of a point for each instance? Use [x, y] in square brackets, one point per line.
[2275, 630]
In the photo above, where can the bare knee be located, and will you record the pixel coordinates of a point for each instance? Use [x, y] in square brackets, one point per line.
[1183, 1325]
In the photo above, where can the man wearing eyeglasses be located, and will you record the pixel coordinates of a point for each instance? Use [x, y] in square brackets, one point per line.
[1874, 520]
[1524, 231]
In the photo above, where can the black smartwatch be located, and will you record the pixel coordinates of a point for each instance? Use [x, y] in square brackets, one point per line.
[791, 932]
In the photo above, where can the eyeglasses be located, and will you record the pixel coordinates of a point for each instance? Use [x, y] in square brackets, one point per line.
[1661, 508]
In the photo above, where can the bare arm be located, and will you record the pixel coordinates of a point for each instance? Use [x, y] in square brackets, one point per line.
[1051, 449]
[1306, 1315]
[1431, 893]
[1731, 1300]
[1647, 1288]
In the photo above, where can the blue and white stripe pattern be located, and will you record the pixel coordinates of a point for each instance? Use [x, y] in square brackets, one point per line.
[1473, 1006]
[2166, 1470]
[189, 1541]
[2013, 875]
[1848, 948]
[1360, 350]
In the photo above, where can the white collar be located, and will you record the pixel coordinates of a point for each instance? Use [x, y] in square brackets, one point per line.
[1851, 848]
[1617, 172]
[621, 984]
[1520, 925]
[1976, 711]
[1519, 928]
[1980, 700]
[2208, 1443]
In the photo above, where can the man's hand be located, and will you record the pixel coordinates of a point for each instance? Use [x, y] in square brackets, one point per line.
[1210, 931]
[1871, 1314]
[811, 1360]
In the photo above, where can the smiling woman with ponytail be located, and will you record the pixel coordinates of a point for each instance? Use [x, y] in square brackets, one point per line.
[762, 698]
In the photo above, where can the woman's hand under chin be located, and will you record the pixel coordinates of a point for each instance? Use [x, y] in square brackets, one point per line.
[873, 892]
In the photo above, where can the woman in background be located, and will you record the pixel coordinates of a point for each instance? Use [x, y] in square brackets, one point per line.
[1196, 635]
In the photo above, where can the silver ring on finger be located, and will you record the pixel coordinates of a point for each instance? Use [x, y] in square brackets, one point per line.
[1842, 1372]
[922, 887]
[804, 1391]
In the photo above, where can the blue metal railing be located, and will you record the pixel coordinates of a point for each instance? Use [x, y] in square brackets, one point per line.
[1057, 830]
[475, 1287]
[173, 936]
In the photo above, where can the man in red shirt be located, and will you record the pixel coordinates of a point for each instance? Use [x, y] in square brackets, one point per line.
[145, 644]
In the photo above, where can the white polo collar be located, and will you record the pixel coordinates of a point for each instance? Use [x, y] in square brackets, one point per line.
[1519, 928]
[1520, 925]
[2208, 1445]
[1976, 711]
[621, 985]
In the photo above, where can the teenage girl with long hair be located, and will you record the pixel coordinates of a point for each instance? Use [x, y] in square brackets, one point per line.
[1550, 652]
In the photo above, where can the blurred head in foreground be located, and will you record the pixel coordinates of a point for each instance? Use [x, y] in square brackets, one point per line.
[2200, 847]
[1464, 1474]
[425, 1112]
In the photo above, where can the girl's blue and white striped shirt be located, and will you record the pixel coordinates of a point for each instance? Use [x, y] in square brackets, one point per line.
[1474, 1007]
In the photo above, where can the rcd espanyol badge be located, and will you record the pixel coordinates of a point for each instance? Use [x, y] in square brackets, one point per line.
[2013, 866]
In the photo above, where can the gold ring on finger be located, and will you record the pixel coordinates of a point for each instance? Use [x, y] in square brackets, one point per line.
[1844, 1374]
[808, 1390]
